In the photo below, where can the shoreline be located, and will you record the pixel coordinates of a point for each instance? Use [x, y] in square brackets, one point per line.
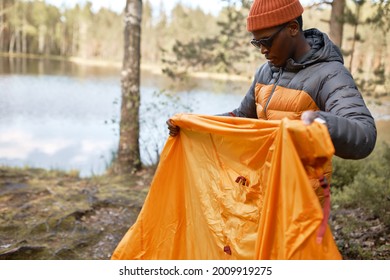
[380, 112]
[152, 68]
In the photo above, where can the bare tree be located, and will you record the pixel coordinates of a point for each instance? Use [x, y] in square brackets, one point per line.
[336, 24]
[336, 21]
[128, 157]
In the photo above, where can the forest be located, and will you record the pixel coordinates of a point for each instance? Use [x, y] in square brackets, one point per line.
[90, 220]
[215, 43]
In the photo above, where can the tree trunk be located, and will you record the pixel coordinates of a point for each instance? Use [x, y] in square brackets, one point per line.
[354, 39]
[336, 24]
[18, 40]
[41, 38]
[1, 26]
[23, 31]
[128, 158]
[11, 43]
[83, 48]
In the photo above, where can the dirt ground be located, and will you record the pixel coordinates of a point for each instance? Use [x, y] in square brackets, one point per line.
[58, 216]
[54, 215]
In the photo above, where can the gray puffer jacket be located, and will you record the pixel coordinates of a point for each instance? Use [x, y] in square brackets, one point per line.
[318, 82]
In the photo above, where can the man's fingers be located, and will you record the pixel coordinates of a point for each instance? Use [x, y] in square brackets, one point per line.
[308, 117]
[173, 129]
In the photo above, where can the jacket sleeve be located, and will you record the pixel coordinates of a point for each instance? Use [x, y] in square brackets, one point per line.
[350, 123]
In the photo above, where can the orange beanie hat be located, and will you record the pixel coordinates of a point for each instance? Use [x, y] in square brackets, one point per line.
[269, 13]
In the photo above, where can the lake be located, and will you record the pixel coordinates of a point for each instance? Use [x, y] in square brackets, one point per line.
[62, 115]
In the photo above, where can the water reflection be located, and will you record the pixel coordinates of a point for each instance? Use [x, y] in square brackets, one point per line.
[60, 115]
[53, 67]
[66, 146]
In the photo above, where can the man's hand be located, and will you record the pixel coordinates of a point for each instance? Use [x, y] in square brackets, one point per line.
[308, 117]
[173, 129]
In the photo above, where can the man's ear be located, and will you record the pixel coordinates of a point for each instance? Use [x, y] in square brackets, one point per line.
[293, 28]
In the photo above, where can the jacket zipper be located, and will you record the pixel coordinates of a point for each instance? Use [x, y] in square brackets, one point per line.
[272, 92]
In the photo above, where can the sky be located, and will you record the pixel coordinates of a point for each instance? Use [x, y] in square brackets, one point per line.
[209, 6]
[212, 6]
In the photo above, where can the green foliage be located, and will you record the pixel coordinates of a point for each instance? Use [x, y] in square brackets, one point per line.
[353, 17]
[381, 16]
[370, 187]
[35, 27]
[225, 51]
[188, 39]
[368, 16]
[194, 55]
[344, 172]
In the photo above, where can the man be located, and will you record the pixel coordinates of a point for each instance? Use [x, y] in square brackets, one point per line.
[303, 78]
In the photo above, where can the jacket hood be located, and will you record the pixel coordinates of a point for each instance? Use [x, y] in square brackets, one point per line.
[322, 50]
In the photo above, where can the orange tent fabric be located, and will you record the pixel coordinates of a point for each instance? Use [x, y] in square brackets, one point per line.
[234, 188]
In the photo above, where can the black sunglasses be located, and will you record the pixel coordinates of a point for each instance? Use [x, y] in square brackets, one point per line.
[267, 42]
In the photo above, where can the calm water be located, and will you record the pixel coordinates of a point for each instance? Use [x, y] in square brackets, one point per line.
[61, 115]
[64, 116]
